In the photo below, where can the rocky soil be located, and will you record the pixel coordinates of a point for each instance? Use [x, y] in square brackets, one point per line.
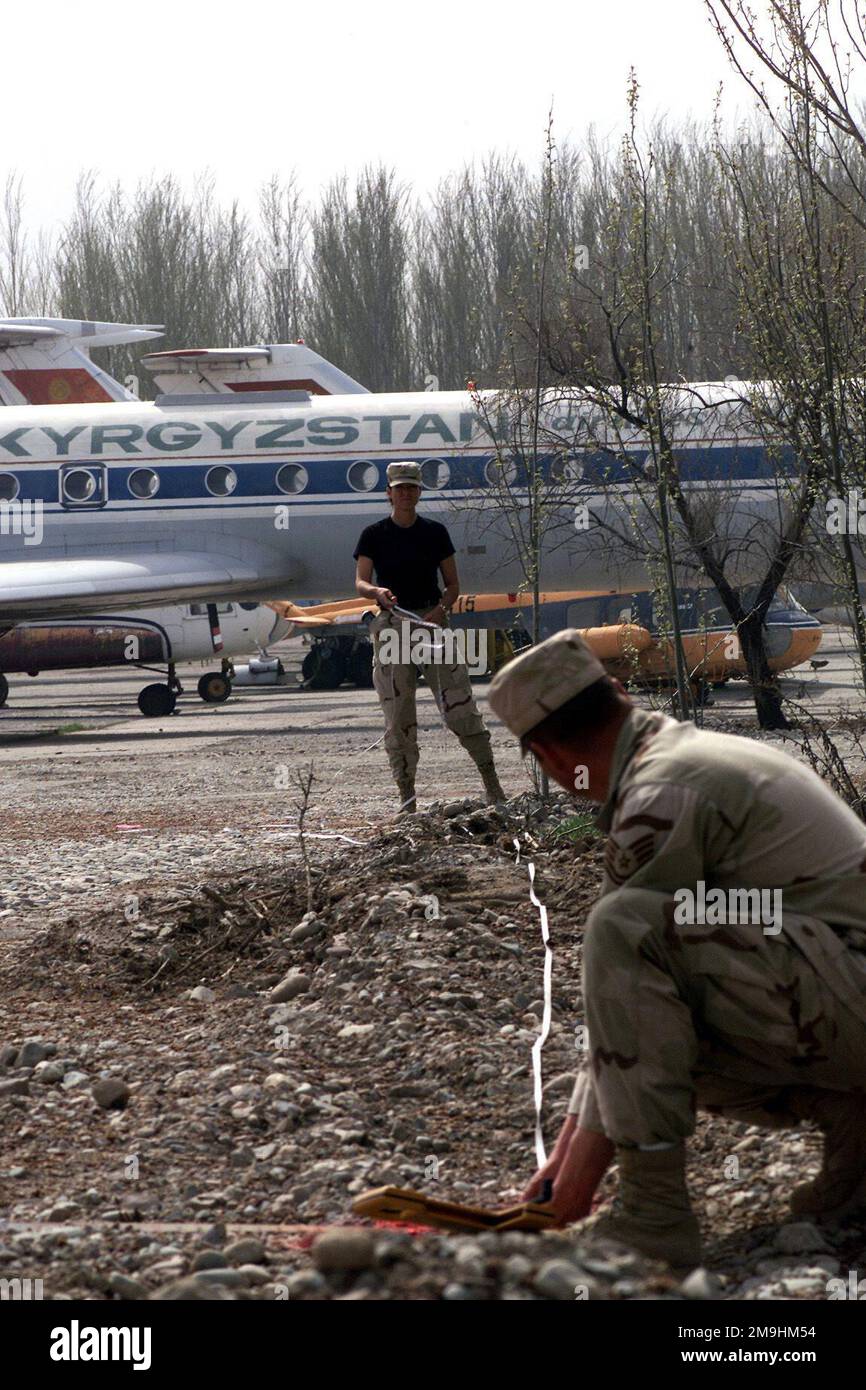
[195, 1085]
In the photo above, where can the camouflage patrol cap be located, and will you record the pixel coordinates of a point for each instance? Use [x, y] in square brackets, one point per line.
[543, 679]
[400, 473]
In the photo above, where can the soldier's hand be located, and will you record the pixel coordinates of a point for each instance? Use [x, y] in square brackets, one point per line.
[577, 1165]
[385, 598]
[550, 1171]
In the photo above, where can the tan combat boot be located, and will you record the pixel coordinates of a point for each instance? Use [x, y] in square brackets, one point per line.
[655, 1216]
[492, 787]
[840, 1187]
[406, 792]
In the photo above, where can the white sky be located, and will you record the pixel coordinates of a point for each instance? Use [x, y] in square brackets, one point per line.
[247, 90]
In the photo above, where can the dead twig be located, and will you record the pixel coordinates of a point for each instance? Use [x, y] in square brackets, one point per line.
[304, 779]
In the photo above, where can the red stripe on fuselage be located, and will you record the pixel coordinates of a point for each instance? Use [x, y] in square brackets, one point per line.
[306, 385]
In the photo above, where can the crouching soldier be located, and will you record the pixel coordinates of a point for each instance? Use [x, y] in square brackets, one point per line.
[692, 999]
[408, 554]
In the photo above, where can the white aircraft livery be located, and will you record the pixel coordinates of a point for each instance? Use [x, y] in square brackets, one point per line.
[47, 361]
[251, 475]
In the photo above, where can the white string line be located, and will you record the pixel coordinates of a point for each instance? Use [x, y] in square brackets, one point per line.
[317, 835]
[371, 745]
[537, 1087]
[420, 622]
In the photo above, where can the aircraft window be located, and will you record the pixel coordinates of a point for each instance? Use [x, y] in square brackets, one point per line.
[565, 469]
[221, 481]
[499, 474]
[9, 487]
[435, 473]
[197, 610]
[363, 477]
[143, 482]
[79, 485]
[292, 477]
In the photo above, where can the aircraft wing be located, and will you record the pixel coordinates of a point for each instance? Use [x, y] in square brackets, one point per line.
[46, 588]
[350, 610]
[14, 333]
[88, 333]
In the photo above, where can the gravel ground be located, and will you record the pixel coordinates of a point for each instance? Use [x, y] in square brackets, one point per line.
[154, 898]
[271, 1064]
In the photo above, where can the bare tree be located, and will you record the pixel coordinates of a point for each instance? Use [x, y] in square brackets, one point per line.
[809, 333]
[609, 343]
[161, 256]
[809, 53]
[283, 219]
[25, 276]
[357, 305]
[472, 253]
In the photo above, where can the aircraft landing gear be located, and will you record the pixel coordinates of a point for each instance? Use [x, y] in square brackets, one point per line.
[360, 665]
[324, 666]
[4, 690]
[214, 687]
[157, 700]
[336, 658]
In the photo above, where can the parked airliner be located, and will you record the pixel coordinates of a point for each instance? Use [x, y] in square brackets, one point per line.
[255, 469]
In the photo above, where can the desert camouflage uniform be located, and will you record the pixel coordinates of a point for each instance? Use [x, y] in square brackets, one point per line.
[396, 684]
[721, 1017]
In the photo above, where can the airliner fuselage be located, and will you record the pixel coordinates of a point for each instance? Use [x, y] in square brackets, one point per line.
[202, 497]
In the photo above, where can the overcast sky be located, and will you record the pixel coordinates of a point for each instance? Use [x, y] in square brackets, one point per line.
[252, 89]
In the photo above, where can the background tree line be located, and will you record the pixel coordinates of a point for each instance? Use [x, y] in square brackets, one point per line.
[394, 287]
[614, 272]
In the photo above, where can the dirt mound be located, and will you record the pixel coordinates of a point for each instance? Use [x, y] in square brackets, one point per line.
[251, 930]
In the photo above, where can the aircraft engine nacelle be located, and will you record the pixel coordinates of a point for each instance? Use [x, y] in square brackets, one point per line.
[55, 647]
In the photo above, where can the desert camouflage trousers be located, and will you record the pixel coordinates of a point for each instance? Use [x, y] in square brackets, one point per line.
[722, 1018]
[396, 684]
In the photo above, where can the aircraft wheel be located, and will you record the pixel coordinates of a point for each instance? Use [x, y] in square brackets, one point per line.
[4, 690]
[361, 666]
[214, 687]
[323, 669]
[156, 700]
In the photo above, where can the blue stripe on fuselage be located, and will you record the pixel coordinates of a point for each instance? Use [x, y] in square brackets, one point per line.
[256, 476]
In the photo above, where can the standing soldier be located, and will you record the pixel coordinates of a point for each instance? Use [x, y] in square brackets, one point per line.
[408, 553]
[759, 1018]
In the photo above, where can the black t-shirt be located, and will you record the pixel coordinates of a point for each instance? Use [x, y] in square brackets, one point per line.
[406, 559]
